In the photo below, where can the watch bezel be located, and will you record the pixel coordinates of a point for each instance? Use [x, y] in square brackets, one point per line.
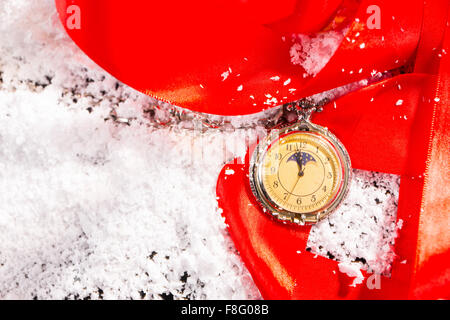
[282, 214]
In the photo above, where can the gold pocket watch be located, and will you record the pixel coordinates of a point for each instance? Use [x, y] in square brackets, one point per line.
[300, 173]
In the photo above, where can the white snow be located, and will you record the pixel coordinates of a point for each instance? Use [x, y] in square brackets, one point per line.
[314, 52]
[87, 205]
[364, 228]
[352, 270]
[225, 74]
[229, 172]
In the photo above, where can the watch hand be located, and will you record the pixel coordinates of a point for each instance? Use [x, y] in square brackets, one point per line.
[300, 173]
[300, 163]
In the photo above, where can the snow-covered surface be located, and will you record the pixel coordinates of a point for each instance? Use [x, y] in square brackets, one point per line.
[94, 209]
[86, 205]
[364, 228]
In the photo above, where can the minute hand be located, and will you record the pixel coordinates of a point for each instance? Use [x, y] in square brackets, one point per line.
[300, 163]
[299, 160]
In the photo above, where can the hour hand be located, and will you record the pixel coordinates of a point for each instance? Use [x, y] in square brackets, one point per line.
[300, 164]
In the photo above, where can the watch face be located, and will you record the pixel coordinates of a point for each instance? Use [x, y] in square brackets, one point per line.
[300, 175]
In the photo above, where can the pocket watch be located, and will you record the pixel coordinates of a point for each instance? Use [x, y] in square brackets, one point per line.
[300, 172]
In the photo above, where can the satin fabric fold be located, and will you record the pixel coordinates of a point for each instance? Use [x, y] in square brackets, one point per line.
[180, 51]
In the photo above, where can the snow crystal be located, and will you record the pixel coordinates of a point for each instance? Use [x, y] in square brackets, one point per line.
[229, 172]
[271, 101]
[353, 270]
[226, 74]
[314, 52]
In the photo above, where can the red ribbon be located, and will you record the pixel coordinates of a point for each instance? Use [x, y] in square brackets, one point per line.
[411, 140]
[376, 136]
[177, 50]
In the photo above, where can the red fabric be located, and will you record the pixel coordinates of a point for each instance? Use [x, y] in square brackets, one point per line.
[431, 274]
[176, 51]
[417, 147]
[269, 249]
[372, 131]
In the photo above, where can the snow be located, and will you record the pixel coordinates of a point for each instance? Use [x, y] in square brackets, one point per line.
[92, 208]
[229, 172]
[85, 204]
[225, 75]
[313, 52]
[364, 228]
[353, 271]
[285, 83]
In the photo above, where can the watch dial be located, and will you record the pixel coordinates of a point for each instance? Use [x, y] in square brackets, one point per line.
[301, 172]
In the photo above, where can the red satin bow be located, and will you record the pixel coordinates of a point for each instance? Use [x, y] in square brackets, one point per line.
[177, 50]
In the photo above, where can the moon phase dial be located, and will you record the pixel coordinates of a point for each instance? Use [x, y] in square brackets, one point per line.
[300, 173]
